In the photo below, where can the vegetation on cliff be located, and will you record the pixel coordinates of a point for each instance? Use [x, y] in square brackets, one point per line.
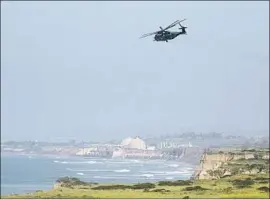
[216, 165]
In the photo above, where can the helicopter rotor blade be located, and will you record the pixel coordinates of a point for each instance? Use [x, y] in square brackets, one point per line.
[182, 20]
[180, 23]
[174, 24]
[149, 34]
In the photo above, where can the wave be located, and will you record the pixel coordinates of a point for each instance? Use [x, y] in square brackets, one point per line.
[135, 161]
[122, 170]
[98, 170]
[92, 162]
[169, 178]
[110, 177]
[77, 162]
[124, 162]
[81, 174]
[113, 178]
[87, 170]
[147, 175]
[178, 172]
[167, 172]
[173, 165]
[154, 172]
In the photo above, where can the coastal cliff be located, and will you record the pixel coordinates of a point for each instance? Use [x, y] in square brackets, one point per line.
[214, 165]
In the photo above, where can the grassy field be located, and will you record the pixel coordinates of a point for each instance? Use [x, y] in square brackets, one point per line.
[240, 186]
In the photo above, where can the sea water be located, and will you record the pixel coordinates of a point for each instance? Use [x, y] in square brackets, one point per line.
[24, 173]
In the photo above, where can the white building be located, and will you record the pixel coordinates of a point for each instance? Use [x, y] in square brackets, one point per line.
[126, 141]
[135, 148]
[133, 143]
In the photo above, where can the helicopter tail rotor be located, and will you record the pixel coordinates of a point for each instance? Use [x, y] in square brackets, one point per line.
[183, 28]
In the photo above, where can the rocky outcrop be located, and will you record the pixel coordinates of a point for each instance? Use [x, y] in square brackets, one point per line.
[57, 186]
[210, 162]
[212, 165]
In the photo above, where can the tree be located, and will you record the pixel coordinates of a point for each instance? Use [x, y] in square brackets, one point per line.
[218, 173]
[235, 170]
[210, 172]
[249, 167]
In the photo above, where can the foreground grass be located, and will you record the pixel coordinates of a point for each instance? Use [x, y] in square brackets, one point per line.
[222, 188]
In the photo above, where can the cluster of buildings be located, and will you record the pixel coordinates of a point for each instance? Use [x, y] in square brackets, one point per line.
[135, 148]
[128, 148]
[168, 145]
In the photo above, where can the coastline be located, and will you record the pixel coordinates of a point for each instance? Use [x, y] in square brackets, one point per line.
[201, 185]
[104, 171]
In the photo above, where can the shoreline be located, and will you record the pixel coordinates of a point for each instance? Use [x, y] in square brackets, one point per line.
[253, 172]
[7, 188]
[56, 156]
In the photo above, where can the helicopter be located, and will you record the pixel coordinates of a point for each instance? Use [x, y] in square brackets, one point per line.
[164, 35]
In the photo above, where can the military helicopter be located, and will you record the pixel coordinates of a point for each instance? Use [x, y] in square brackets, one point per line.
[164, 35]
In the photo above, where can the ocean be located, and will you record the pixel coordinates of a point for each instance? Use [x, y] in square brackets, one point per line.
[24, 173]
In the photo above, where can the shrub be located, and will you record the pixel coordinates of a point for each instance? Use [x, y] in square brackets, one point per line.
[86, 197]
[235, 170]
[264, 189]
[175, 183]
[227, 190]
[257, 156]
[243, 183]
[186, 197]
[261, 179]
[70, 181]
[84, 187]
[218, 173]
[250, 150]
[195, 188]
[160, 190]
[68, 186]
[263, 182]
[112, 187]
[241, 159]
[140, 186]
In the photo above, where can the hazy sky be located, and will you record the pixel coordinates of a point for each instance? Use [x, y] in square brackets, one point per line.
[78, 70]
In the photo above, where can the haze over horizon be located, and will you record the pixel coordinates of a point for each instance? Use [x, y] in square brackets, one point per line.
[79, 70]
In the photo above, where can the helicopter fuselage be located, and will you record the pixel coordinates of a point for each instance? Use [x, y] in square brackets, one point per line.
[167, 35]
